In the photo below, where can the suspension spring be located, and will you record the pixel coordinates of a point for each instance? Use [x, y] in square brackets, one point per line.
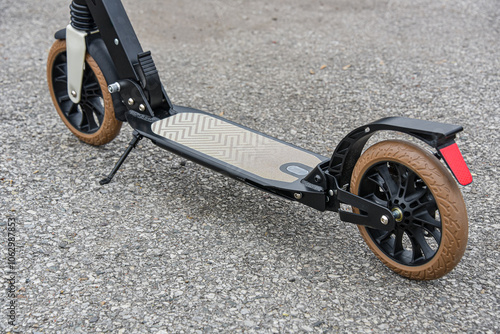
[81, 18]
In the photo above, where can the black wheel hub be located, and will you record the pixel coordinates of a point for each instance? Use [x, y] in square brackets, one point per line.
[417, 235]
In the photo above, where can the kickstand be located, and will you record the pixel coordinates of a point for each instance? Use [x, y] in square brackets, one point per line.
[133, 143]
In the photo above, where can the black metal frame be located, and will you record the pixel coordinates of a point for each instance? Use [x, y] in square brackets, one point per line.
[141, 100]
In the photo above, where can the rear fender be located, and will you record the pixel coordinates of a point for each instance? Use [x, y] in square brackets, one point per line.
[438, 135]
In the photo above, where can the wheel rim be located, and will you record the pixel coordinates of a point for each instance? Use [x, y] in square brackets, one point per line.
[86, 116]
[417, 235]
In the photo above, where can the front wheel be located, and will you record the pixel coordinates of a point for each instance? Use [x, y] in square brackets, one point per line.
[92, 120]
[431, 219]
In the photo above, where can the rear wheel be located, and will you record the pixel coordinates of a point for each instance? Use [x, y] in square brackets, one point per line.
[431, 219]
[92, 120]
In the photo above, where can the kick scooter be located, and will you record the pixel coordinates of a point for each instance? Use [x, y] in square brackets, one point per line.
[404, 200]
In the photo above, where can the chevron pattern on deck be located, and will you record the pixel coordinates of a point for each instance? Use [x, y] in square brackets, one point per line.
[247, 150]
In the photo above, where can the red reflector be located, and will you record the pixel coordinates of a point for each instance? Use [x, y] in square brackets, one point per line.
[455, 161]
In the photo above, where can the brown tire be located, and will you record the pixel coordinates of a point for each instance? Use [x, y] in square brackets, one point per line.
[431, 228]
[93, 119]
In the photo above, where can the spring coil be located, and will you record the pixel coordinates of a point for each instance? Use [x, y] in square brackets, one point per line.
[81, 18]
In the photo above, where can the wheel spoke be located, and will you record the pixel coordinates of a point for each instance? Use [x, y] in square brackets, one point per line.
[74, 115]
[89, 122]
[384, 237]
[436, 234]
[377, 179]
[61, 76]
[420, 246]
[414, 197]
[388, 182]
[376, 199]
[425, 219]
[97, 106]
[91, 90]
[398, 243]
[63, 98]
[404, 177]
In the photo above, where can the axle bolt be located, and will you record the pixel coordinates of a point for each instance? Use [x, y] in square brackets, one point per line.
[297, 195]
[384, 220]
[114, 88]
[397, 214]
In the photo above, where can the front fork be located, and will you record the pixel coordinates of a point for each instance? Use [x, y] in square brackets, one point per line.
[102, 28]
[76, 49]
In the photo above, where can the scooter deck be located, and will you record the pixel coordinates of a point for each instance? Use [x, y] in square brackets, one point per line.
[232, 148]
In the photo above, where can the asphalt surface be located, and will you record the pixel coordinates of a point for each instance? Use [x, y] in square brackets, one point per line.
[172, 247]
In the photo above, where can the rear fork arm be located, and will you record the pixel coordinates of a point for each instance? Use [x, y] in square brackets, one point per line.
[335, 198]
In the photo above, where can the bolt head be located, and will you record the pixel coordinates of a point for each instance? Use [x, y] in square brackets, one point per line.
[297, 195]
[114, 88]
[73, 93]
[384, 220]
[142, 107]
[131, 102]
[117, 41]
[330, 192]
